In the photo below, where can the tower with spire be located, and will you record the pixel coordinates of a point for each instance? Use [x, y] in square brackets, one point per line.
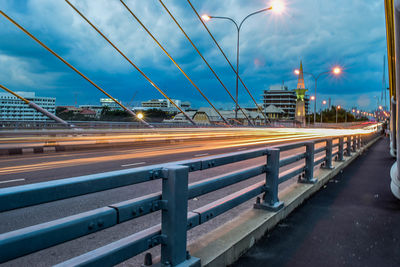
[301, 90]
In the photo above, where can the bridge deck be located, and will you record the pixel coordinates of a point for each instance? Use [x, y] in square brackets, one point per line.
[353, 221]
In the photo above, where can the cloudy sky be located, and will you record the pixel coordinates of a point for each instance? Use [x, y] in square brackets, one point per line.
[322, 34]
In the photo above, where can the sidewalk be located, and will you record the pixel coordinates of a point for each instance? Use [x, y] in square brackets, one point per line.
[353, 221]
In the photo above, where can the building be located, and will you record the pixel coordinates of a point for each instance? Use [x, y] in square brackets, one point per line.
[283, 98]
[166, 105]
[96, 108]
[111, 104]
[208, 116]
[13, 109]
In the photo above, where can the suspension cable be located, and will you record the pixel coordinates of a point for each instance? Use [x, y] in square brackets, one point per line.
[223, 53]
[176, 64]
[208, 65]
[135, 66]
[73, 68]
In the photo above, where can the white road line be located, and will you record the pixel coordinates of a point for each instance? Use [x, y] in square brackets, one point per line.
[10, 181]
[200, 155]
[133, 164]
[243, 148]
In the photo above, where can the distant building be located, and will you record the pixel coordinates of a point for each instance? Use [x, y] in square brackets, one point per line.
[111, 104]
[207, 116]
[283, 98]
[13, 109]
[83, 110]
[166, 105]
[96, 108]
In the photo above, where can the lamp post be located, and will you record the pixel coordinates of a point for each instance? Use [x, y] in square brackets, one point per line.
[276, 6]
[322, 110]
[335, 71]
[337, 108]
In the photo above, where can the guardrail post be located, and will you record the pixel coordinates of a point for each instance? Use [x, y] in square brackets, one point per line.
[174, 218]
[309, 168]
[348, 145]
[340, 149]
[354, 143]
[328, 157]
[359, 141]
[270, 198]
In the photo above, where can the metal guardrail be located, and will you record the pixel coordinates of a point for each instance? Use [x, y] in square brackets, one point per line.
[171, 234]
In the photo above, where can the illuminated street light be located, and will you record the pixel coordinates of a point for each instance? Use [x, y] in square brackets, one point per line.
[277, 6]
[336, 71]
[206, 17]
[312, 98]
[140, 116]
[353, 110]
[380, 107]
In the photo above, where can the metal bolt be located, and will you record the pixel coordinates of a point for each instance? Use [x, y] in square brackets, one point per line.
[91, 226]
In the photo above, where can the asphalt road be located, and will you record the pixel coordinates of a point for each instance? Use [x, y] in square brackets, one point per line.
[24, 169]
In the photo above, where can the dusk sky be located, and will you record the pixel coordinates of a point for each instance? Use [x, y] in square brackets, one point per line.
[323, 34]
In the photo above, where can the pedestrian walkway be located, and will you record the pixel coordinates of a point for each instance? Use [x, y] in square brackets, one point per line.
[353, 221]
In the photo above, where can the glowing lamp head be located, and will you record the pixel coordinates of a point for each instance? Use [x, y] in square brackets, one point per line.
[380, 107]
[206, 17]
[297, 72]
[358, 112]
[140, 116]
[277, 6]
[353, 110]
[338, 107]
[312, 97]
[337, 70]
[324, 102]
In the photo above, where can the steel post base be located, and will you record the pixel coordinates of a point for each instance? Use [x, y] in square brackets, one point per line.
[264, 206]
[306, 181]
[327, 168]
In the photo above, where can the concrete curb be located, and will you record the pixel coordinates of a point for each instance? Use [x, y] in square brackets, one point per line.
[226, 244]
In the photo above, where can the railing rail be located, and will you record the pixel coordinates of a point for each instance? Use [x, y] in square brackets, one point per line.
[172, 200]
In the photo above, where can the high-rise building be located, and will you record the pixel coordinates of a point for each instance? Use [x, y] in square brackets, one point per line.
[166, 105]
[283, 98]
[13, 109]
[111, 104]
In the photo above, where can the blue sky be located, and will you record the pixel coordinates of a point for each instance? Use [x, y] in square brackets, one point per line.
[349, 33]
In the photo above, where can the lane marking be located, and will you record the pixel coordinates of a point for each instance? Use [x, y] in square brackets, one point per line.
[133, 164]
[243, 148]
[10, 181]
[200, 155]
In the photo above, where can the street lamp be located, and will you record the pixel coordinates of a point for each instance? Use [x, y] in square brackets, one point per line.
[336, 71]
[323, 104]
[277, 6]
[140, 116]
[337, 108]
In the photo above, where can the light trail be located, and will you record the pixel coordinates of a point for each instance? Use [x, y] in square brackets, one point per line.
[264, 137]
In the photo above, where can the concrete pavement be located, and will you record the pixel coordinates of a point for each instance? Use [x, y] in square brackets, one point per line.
[353, 221]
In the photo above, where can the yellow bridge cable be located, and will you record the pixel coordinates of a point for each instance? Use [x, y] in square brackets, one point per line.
[73, 68]
[208, 65]
[176, 64]
[215, 41]
[136, 67]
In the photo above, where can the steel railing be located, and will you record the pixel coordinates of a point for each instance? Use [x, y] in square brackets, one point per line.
[171, 233]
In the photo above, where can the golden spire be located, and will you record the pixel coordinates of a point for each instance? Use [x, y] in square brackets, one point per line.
[300, 83]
